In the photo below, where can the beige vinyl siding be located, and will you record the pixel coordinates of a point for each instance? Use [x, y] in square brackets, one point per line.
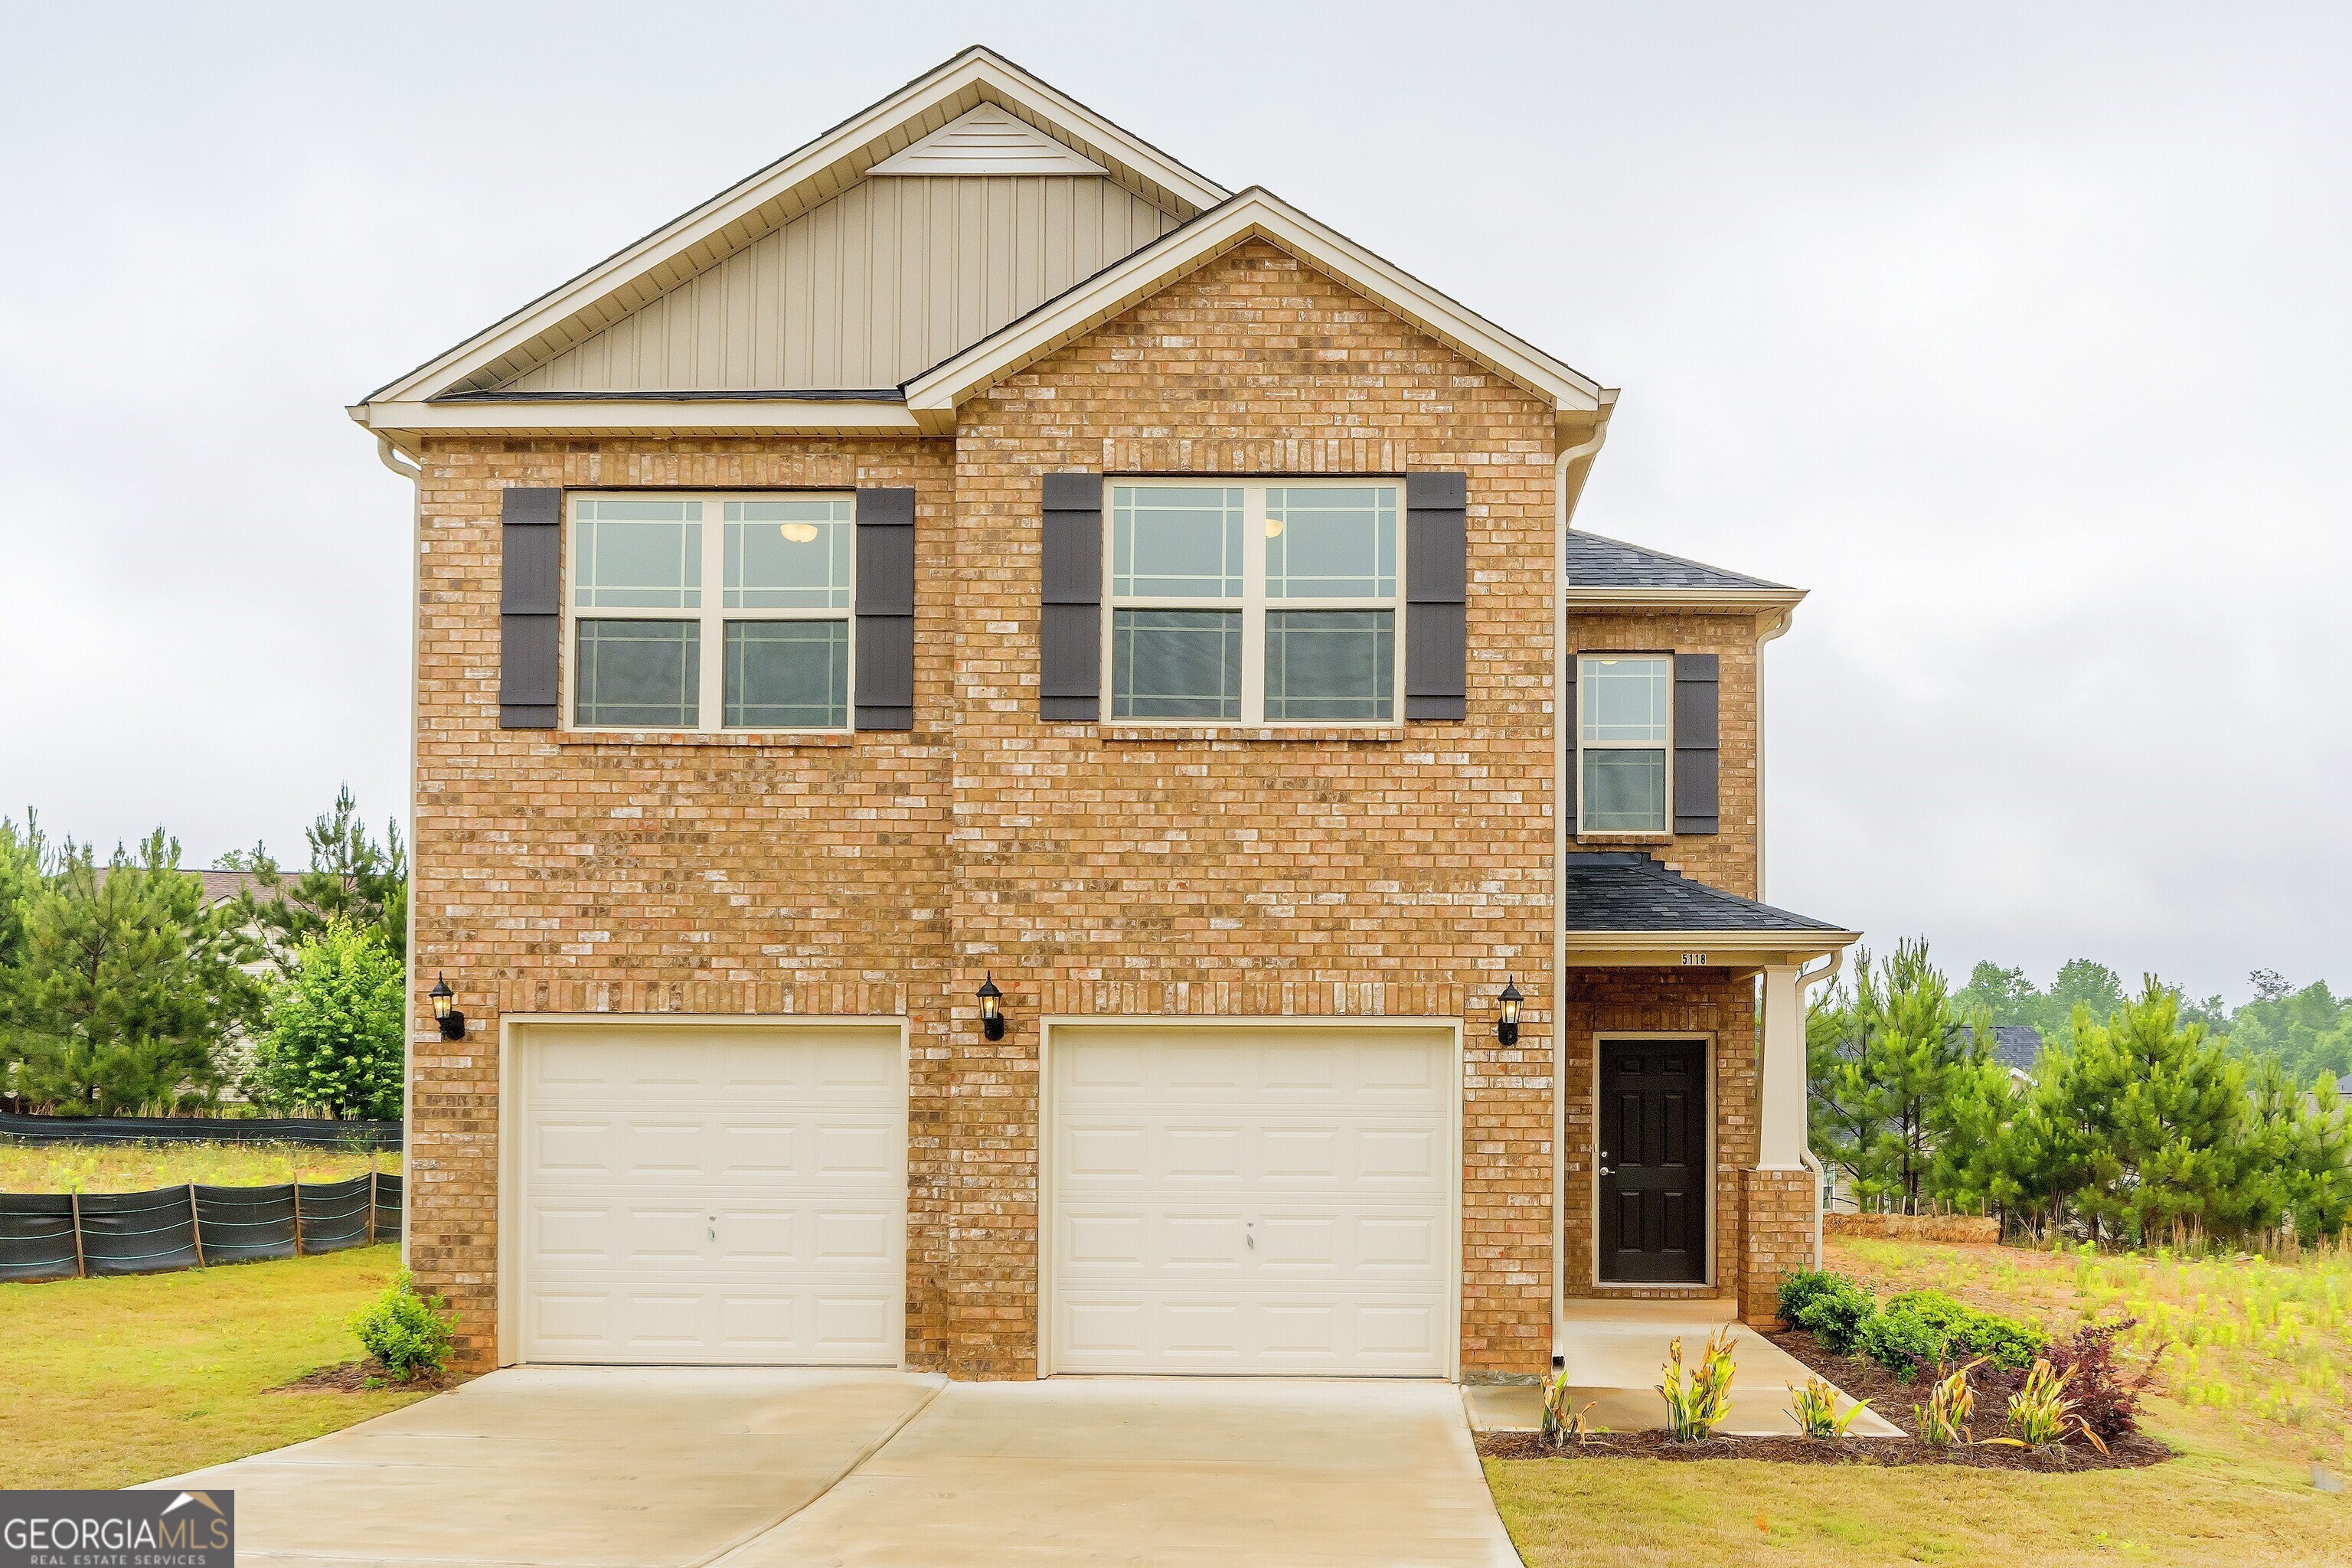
[881, 282]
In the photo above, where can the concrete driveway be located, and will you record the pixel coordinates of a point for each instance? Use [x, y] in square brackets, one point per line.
[625, 1467]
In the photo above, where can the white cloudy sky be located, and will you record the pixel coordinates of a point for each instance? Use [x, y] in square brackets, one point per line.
[2016, 333]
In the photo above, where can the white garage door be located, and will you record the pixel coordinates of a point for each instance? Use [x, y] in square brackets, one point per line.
[712, 1193]
[1230, 1199]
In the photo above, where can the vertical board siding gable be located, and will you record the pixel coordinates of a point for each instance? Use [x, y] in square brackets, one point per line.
[865, 291]
[530, 607]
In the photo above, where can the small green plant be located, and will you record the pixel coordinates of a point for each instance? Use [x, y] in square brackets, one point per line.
[1943, 1421]
[2040, 1414]
[1561, 1419]
[1697, 1404]
[1966, 1330]
[1829, 1306]
[1900, 1341]
[1814, 1409]
[406, 1332]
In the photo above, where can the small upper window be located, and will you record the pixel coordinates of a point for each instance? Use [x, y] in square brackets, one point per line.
[1254, 604]
[1623, 724]
[680, 626]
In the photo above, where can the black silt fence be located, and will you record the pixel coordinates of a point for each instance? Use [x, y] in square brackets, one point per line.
[317, 1132]
[65, 1235]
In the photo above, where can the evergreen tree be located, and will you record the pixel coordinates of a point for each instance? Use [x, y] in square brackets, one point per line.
[351, 878]
[126, 984]
[332, 1037]
[1880, 1076]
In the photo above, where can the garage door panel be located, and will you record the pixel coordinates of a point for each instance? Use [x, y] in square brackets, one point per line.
[731, 1196]
[1237, 1199]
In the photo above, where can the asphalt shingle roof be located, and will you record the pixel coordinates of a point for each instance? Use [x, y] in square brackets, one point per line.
[1597, 562]
[1628, 890]
[2017, 1046]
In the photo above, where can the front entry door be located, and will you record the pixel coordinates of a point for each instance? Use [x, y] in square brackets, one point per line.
[1654, 1162]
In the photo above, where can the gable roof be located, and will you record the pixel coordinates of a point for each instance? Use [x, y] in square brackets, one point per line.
[976, 114]
[1255, 213]
[700, 238]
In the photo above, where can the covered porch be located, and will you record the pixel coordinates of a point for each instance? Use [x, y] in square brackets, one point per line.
[1686, 1187]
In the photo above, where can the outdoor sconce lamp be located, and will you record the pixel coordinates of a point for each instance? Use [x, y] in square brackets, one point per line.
[1506, 1027]
[452, 1022]
[992, 1008]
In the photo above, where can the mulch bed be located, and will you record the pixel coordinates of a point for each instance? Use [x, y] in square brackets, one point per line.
[361, 1377]
[1888, 1396]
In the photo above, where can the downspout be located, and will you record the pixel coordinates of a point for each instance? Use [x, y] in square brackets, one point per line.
[1564, 500]
[389, 456]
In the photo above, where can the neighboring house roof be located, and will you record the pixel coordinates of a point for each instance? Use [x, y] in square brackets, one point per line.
[1601, 571]
[1141, 223]
[2344, 1086]
[1628, 894]
[2017, 1046]
[220, 885]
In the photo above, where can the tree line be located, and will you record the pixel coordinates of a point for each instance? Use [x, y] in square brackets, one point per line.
[125, 990]
[2139, 1124]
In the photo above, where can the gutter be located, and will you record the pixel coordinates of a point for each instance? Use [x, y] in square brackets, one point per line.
[1564, 500]
[389, 456]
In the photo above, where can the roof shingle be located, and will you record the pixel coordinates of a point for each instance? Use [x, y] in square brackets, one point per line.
[1597, 562]
[1627, 891]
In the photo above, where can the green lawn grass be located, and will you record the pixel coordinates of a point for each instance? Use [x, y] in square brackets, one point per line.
[138, 1167]
[2240, 1492]
[104, 1383]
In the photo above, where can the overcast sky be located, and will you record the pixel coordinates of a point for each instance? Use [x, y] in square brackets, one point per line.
[2018, 336]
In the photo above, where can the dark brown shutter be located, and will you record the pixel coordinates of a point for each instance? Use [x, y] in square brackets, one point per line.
[1437, 549]
[885, 609]
[1069, 633]
[1697, 743]
[1575, 784]
[531, 608]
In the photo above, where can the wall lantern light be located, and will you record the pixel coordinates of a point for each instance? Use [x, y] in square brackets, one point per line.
[992, 1008]
[1507, 1027]
[452, 1022]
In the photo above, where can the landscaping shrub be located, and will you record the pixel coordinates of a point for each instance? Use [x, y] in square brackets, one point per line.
[2006, 1342]
[1834, 1312]
[2105, 1397]
[1801, 1288]
[1814, 1409]
[1900, 1340]
[1696, 1407]
[407, 1332]
[2040, 1414]
[1943, 1421]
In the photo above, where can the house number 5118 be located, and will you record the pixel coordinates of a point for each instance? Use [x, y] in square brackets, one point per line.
[1692, 958]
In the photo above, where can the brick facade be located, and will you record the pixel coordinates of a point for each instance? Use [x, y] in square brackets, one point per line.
[1094, 871]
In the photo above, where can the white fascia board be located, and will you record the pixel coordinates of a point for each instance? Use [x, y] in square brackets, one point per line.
[1685, 599]
[975, 71]
[1255, 213]
[627, 415]
[1668, 947]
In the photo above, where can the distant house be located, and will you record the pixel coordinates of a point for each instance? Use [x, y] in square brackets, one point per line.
[2018, 1048]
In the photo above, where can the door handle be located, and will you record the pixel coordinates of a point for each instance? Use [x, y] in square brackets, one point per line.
[1607, 1172]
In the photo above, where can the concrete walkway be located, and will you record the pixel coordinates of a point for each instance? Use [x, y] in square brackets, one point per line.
[634, 1468]
[1615, 1365]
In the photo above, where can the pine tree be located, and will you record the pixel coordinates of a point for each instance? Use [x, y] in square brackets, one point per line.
[1879, 1077]
[126, 984]
[351, 878]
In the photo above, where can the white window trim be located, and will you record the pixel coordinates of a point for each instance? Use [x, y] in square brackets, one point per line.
[1580, 745]
[711, 617]
[1254, 603]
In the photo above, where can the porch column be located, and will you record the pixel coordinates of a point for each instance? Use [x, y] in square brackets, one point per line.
[1780, 1113]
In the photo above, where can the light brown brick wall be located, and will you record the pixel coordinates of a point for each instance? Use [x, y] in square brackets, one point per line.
[1780, 1239]
[1094, 873]
[1725, 859]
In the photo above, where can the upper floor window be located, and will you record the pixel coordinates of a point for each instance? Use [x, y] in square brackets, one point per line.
[1623, 727]
[1254, 604]
[711, 611]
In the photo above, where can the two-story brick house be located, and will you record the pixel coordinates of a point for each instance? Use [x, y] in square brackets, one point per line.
[996, 726]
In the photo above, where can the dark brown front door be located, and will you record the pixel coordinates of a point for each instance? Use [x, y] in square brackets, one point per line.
[1653, 1166]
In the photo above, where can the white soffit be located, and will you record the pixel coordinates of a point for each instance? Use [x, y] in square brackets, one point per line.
[988, 141]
